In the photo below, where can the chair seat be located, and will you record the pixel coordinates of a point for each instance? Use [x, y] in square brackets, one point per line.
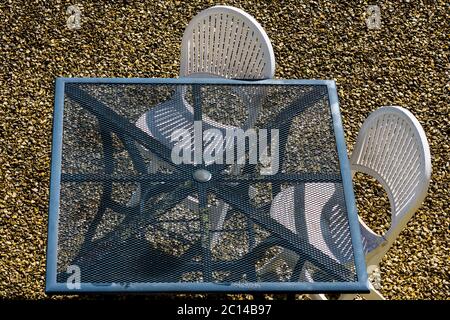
[316, 212]
[176, 113]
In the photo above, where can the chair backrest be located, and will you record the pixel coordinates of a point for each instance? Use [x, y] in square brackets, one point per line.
[392, 147]
[224, 41]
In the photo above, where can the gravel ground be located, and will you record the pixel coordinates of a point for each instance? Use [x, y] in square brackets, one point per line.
[405, 62]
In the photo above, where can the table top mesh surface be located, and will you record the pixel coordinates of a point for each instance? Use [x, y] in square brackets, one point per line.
[131, 220]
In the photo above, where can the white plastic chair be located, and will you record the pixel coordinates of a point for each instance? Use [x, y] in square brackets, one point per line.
[227, 42]
[221, 41]
[224, 41]
[392, 148]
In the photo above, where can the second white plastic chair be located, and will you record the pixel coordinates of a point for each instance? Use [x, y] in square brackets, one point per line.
[392, 148]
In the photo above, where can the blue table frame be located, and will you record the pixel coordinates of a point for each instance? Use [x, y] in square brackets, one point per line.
[52, 286]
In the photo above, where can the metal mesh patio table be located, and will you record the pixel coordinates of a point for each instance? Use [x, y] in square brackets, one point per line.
[201, 185]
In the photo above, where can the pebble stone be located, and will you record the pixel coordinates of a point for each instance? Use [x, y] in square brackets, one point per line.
[405, 62]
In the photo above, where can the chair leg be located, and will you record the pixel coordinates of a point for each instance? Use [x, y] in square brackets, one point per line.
[347, 296]
[374, 294]
[135, 197]
[153, 168]
[218, 215]
[375, 282]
